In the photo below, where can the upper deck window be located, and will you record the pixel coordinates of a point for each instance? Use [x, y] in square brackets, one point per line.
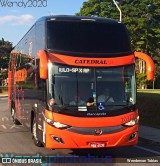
[87, 37]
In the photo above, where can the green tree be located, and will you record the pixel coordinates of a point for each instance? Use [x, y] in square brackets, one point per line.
[5, 49]
[141, 80]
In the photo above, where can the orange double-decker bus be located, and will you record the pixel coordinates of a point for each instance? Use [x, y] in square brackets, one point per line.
[72, 83]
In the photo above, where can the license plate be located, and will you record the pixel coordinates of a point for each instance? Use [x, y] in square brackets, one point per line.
[97, 144]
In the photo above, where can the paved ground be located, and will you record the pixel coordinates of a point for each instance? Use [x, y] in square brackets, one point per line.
[149, 134]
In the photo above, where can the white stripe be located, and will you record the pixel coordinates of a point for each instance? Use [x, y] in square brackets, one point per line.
[4, 126]
[82, 109]
[5, 119]
[146, 149]
[44, 132]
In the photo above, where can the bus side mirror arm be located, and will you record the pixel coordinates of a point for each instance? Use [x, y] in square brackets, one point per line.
[43, 64]
[149, 64]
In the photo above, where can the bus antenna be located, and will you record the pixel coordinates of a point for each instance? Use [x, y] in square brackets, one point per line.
[120, 17]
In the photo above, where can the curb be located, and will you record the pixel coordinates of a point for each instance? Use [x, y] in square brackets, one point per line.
[148, 141]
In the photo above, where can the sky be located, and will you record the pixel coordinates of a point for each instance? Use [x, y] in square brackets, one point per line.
[17, 16]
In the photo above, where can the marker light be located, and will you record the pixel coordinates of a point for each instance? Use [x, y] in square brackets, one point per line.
[51, 102]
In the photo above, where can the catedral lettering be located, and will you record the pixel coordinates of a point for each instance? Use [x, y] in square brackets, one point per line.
[76, 92]
[90, 61]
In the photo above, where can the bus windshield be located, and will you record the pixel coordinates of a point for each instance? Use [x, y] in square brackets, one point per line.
[82, 89]
[87, 37]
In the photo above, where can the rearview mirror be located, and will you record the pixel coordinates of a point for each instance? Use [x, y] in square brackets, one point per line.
[43, 64]
[150, 68]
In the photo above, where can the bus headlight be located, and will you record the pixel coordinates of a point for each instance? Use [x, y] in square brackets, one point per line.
[57, 124]
[60, 125]
[131, 122]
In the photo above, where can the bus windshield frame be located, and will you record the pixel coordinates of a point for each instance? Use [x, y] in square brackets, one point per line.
[75, 88]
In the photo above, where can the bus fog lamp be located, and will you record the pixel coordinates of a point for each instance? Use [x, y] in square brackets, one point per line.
[132, 136]
[57, 139]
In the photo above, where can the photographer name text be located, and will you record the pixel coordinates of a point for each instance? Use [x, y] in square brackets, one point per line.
[23, 3]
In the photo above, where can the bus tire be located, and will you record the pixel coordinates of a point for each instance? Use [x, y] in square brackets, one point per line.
[14, 117]
[37, 142]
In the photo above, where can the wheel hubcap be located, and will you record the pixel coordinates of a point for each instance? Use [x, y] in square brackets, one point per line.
[13, 112]
[34, 131]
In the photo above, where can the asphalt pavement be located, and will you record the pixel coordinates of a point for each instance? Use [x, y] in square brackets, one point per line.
[149, 134]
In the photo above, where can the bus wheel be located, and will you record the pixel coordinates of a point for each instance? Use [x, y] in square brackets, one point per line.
[13, 114]
[34, 134]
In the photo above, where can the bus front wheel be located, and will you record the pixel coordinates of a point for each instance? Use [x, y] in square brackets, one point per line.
[14, 117]
[37, 142]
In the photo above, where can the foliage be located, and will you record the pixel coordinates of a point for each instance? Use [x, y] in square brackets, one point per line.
[148, 105]
[5, 43]
[157, 82]
[5, 49]
[141, 80]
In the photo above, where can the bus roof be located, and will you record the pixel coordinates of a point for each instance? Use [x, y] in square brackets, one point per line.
[77, 18]
[72, 18]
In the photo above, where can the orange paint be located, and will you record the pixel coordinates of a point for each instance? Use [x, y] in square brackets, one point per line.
[149, 64]
[43, 66]
[75, 140]
[10, 75]
[49, 114]
[21, 75]
[91, 62]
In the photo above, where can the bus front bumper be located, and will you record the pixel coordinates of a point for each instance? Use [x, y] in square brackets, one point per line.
[63, 138]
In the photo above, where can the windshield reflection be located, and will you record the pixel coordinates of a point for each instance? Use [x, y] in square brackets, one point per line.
[91, 89]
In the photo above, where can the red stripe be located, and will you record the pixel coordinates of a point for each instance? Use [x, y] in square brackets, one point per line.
[91, 62]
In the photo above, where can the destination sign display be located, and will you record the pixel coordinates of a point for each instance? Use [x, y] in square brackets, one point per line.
[73, 70]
